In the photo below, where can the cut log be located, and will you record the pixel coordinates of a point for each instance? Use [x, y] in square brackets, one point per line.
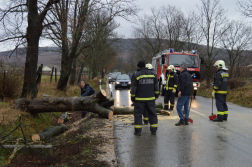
[63, 104]
[51, 132]
[159, 105]
[130, 110]
[108, 103]
[63, 118]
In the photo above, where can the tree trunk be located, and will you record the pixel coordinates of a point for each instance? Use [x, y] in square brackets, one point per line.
[45, 135]
[130, 110]
[73, 74]
[81, 70]
[63, 104]
[63, 118]
[34, 31]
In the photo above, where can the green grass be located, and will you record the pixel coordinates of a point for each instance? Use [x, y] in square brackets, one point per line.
[241, 95]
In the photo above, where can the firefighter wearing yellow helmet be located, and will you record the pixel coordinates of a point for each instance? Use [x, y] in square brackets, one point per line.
[220, 86]
[170, 88]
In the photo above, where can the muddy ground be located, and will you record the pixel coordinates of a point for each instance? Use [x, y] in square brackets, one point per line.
[88, 142]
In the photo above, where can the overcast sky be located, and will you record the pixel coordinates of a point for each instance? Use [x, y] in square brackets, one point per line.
[125, 28]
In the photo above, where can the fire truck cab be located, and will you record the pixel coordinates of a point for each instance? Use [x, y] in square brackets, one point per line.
[168, 57]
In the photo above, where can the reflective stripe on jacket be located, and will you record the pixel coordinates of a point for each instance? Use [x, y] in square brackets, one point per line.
[144, 86]
[221, 82]
[171, 81]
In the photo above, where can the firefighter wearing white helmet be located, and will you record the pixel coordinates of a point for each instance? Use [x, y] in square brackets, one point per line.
[170, 88]
[149, 66]
[220, 86]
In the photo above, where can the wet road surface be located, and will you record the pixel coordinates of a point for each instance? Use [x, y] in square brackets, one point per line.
[201, 144]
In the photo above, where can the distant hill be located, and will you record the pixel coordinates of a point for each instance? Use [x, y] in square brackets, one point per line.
[52, 56]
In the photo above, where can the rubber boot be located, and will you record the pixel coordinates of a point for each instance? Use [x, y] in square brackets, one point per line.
[171, 109]
[225, 117]
[181, 122]
[218, 119]
[145, 122]
[165, 107]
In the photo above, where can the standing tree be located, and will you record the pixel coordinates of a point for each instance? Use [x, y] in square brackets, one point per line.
[236, 41]
[212, 21]
[15, 14]
[246, 7]
[74, 14]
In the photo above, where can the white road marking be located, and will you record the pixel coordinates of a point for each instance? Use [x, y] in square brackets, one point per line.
[197, 112]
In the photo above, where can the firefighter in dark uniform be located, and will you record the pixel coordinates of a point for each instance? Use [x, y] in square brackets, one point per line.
[170, 88]
[144, 92]
[220, 86]
[145, 113]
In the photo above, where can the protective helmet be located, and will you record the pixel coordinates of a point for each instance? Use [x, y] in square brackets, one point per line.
[149, 66]
[220, 64]
[170, 67]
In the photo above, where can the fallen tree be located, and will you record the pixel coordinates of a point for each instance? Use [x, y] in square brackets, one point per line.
[130, 110]
[48, 133]
[64, 104]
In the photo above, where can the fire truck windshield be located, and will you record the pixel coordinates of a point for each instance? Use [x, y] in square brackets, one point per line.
[178, 59]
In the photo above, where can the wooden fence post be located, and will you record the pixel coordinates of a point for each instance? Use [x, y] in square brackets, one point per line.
[51, 74]
[55, 74]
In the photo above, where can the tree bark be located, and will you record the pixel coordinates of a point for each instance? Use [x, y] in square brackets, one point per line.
[130, 110]
[73, 74]
[81, 70]
[34, 31]
[51, 132]
[63, 104]
[63, 118]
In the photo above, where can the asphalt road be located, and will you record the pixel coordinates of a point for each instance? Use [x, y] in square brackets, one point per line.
[201, 144]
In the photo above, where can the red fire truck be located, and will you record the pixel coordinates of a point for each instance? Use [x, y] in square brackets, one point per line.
[168, 57]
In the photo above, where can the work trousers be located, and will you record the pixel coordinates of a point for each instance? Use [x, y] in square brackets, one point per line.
[169, 96]
[221, 105]
[183, 101]
[139, 108]
[145, 116]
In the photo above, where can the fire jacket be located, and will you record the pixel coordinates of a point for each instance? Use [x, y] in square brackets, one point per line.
[144, 86]
[185, 83]
[171, 81]
[221, 82]
[87, 90]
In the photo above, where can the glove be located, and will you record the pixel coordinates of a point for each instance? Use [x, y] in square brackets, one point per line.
[173, 90]
[213, 93]
[212, 83]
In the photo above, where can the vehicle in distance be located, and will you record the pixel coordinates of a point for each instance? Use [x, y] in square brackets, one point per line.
[122, 81]
[118, 73]
[112, 78]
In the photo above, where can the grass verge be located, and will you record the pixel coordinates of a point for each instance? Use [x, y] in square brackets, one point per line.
[241, 95]
[32, 124]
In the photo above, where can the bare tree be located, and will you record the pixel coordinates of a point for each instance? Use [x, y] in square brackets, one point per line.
[212, 21]
[245, 7]
[15, 15]
[69, 34]
[236, 41]
[149, 36]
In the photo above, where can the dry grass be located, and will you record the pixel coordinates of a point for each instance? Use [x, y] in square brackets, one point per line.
[241, 94]
[9, 114]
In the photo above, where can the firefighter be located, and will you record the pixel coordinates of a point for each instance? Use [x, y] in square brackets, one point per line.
[171, 86]
[145, 113]
[220, 86]
[144, 92]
